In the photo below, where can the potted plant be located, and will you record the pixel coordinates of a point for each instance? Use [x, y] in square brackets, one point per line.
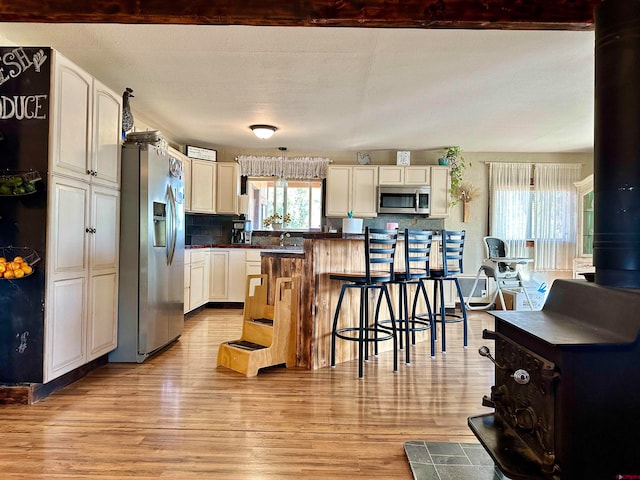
[453, 157]
[276, 221]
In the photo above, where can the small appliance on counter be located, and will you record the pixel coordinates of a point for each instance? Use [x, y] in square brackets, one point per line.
[241, 232]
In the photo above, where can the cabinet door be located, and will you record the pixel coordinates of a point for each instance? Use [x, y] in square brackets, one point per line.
[228, 188]
[237, 276]
[417, 176]
[102, 321]
[391, 175]
[203, 181]
[71, 119]
[338, 195]
[107, 134]
[105, 223]
[440, 182]
[69, 205]
[196, 291]
[364, 191]
[219, 275]
[65, 326]
[187, 287]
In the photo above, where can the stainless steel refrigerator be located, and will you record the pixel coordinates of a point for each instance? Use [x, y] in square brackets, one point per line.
[150, 305]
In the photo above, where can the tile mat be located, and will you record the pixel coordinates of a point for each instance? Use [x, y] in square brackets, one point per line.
[450, 461]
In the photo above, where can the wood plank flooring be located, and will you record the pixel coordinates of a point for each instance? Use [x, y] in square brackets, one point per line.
[178, 416]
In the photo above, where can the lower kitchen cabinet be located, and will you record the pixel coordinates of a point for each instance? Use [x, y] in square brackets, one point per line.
[219, 275]
[82, 282]
[199, 278]
[228, 277]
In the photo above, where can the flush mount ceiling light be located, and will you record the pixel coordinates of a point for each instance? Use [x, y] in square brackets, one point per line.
[263, 131]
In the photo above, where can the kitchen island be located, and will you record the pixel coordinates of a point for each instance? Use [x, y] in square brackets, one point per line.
[323, 253]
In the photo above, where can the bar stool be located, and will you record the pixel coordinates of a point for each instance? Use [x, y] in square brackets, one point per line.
[452, 250]
[379, 250]
[417, 254]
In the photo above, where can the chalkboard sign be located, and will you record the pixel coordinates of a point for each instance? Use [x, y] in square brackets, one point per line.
[25, 86]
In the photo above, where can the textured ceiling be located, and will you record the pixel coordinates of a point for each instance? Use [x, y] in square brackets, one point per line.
[331, 89]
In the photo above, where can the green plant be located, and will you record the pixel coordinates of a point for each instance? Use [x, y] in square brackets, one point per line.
[458, 166]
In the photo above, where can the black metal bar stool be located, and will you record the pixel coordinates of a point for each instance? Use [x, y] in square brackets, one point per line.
[417, 254]
[452, 250]
[379, 249]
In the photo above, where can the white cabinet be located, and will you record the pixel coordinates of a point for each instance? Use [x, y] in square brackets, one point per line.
[351, 189]
[107, 132]
[203, 186]
[237, 275]
[228, 275]
[83, 225]
[82, 265]
[199, 274]
[440, 197]
[253, 263]
[86, 126]
[219, 275]
[228, 188]
[398, 175]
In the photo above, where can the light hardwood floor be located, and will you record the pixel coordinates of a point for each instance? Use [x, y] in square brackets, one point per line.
[177, 416]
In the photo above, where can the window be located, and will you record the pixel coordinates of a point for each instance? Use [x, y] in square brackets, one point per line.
[301, 199]
[544, 212]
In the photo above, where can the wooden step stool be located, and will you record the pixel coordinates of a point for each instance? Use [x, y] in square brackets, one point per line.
[268, 331]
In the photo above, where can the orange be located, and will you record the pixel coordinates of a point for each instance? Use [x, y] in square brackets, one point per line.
[15, 265]
[9, 274]
[26, 269]
[18, 259]
[3, 260]
[18, 273]
[3, 267]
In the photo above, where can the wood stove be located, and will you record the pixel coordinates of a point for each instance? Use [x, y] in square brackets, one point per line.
[567, 392]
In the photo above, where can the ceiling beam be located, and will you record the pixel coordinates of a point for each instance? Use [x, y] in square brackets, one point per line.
[473, 14]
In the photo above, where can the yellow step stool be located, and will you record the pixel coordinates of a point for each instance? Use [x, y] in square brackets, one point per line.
[268, 331]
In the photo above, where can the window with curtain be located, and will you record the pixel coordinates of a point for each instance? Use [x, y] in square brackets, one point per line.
[554, 222]
[301, 199]
[510, 204]
[544, 212]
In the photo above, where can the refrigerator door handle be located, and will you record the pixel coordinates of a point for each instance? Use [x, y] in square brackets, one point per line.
[173, 214]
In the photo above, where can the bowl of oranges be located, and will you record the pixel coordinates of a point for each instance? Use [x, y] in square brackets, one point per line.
[17, 262]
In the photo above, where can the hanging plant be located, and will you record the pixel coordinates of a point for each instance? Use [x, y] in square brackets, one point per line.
[453, 157]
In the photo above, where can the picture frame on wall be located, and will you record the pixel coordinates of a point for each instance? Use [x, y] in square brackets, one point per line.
[200, 153]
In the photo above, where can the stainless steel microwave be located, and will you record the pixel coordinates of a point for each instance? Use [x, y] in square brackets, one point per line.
[404, 199]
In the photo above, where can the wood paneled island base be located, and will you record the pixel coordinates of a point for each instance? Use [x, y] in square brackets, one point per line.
[319, 295]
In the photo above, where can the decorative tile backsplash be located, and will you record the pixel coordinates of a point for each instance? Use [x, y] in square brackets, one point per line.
[216, 229]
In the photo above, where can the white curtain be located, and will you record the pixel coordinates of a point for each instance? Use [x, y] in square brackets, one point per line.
[294, 168]
[554, 217]
[510, 204]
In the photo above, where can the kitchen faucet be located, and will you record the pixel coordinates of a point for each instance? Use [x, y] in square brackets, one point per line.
[283, 236]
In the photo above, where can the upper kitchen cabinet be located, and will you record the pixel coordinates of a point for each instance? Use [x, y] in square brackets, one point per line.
[107, 132]
[203, 186]
[440, 196]
[398, 175]
[85, 128]
[228, 188]
[351, 189]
